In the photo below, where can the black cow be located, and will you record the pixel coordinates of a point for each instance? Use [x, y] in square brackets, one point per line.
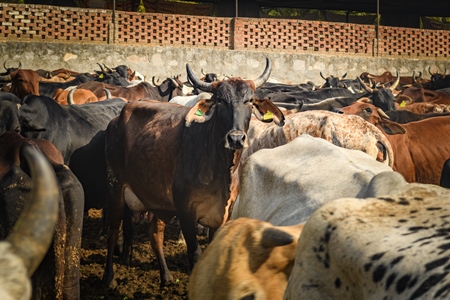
[10, 70]
[9, 117]
[406, 116]
[9, 97]
[437, 80]
[57, 277]
[67, 127]
[176, 140]
[354, 85]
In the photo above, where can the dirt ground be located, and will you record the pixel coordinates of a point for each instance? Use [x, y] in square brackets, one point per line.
[141, 279]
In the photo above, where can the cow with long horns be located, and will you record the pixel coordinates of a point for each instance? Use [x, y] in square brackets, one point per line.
[176, 160]
[25, 248]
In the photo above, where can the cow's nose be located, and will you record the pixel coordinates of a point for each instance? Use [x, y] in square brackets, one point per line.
[236, 140]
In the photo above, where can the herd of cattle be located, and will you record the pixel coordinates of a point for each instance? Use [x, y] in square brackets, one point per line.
[334, 190]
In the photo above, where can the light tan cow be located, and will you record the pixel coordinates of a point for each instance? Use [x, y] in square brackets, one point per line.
[247, 259]
[391, 247]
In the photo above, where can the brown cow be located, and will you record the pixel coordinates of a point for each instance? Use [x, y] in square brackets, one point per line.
[23, 82]
[418, 94]
[192, 148]
[386, 77]
[420, 148]
[248, 259]
[78, 96]
[170, 88]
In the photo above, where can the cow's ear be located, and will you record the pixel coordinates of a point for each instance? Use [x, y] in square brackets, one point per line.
[392, 128]
[273, 237]
[201, 112]
[265, 111]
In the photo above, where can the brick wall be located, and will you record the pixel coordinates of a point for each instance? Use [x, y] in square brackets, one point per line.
[19, 22]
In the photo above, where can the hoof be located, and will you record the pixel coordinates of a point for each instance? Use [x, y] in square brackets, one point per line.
[167, 281]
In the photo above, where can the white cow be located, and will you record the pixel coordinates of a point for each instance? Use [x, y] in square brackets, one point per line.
[286, 184]
[190, 100]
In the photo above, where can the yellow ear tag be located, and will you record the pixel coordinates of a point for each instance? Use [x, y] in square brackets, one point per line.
[403, 104]
[100, 76]
[268, 116]
[198, 113]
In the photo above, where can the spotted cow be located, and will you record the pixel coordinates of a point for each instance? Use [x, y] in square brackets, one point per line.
[393, 246]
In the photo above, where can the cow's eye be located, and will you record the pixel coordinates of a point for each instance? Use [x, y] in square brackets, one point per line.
[368, 110]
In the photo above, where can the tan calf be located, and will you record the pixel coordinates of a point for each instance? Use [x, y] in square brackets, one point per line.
[247, 259]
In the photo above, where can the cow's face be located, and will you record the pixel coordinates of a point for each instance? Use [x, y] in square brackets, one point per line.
[231, 104]
[24, 82]
[234, 101]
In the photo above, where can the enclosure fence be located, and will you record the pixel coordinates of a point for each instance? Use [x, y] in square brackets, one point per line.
[41, 23]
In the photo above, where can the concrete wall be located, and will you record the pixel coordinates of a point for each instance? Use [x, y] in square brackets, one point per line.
[164, 61]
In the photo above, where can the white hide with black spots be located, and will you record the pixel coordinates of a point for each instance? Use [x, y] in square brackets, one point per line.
[390, 247]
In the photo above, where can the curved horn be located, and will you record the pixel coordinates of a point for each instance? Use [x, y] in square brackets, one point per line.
[322, 75]
[156, 83]
[20, 64]
[419, 77]
[364, 85]
[265, 75]
[108, 68]
[204, 86]
[70, 97]
[33, 232]
[396, 82]
[445, 71]
[4, 65]
[429, 70]
[203, 72]
[133, 75]
[101, 67]
[382, 113]
[5, 78]
[343, 76]
[108, 93]
[175, 83]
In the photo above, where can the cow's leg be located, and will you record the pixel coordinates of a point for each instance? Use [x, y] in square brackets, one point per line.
[211, 233]
[115, 218]
[127, 231]
[187, 223]
[156, 231]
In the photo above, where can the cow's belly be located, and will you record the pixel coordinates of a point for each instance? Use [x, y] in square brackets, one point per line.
[133, 201]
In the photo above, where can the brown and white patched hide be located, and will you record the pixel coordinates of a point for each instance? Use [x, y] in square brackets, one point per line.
[345, 131]
[247, 259]
[390, 247]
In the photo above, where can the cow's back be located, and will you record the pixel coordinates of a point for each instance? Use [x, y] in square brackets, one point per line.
[391, 247]
[350, 132]
[286, 184]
